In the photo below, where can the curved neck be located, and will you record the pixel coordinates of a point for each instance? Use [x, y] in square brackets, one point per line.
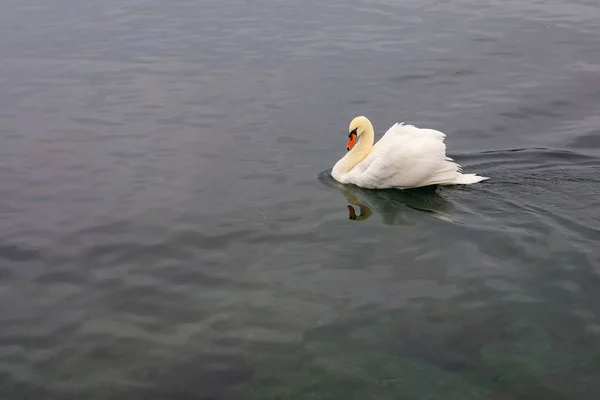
[358, 152]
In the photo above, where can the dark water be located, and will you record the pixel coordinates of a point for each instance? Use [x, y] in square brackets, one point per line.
[168, 228]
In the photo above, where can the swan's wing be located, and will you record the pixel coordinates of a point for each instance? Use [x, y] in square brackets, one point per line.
[399, 129]
[406, 157]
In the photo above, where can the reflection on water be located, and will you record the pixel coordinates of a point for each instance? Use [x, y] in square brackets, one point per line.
[392, 205]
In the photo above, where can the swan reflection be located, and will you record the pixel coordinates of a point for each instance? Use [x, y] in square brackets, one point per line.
[391, 204]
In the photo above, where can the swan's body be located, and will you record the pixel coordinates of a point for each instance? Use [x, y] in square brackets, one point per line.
[405, 157]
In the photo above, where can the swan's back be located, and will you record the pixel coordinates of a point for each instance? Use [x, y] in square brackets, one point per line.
[406, 157]
[400, 129]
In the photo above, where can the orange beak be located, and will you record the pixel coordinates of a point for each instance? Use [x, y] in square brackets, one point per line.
[351, 141]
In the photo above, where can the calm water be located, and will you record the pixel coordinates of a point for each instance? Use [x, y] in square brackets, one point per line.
[169, 230]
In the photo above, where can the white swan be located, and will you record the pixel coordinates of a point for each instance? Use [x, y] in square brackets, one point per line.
[405, 157]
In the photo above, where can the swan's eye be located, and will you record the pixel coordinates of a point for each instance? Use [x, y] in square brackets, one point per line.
[353, 132]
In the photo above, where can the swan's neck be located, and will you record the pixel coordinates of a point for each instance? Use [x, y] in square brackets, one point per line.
[356, 155]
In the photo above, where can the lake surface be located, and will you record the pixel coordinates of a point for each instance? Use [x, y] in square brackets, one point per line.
[169, 228]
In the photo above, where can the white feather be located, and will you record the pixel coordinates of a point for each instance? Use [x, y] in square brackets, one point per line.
[405, 157]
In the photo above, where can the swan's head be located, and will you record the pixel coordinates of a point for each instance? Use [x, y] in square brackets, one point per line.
[357, 127]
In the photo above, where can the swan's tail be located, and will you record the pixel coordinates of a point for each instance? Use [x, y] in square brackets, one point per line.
[450, 173]
[467, 179]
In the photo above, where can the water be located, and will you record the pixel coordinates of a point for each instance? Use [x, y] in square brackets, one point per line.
[168, 227]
